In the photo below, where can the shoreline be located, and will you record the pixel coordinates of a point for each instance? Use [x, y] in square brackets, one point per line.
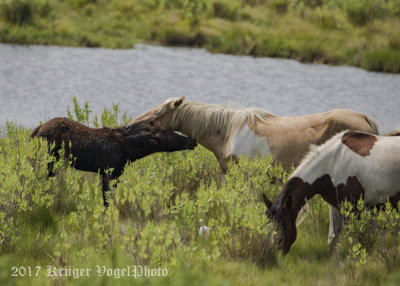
[309, 34]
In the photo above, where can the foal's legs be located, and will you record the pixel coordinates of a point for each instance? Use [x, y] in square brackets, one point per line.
[107, 177]
[105, 188]
[50, 165]
[335, 226]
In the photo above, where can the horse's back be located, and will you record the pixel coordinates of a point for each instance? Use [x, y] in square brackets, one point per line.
[354, 120]
[66, 129]
[35, 131]
[374, 160]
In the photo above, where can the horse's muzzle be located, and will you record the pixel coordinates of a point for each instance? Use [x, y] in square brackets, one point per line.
[137, 128]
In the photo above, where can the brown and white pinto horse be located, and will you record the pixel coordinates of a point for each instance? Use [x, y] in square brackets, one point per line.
[349, 166]
[230, 132]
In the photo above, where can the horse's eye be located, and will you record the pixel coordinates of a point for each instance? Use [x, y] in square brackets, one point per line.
[151, 122]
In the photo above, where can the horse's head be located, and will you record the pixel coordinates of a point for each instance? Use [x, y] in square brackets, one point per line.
[169, 141]
[157, 118]
[144, 143]
[282, 215]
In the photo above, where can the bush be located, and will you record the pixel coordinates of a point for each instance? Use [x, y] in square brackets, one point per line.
[226, 9]
[360, 12]
[382, 61]
[17, 12]
[20, 12]
[370, 235]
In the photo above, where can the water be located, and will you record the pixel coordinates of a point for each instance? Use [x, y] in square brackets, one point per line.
[38, 83]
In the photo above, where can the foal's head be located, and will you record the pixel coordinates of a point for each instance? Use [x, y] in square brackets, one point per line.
[157, 118]
[169, 141]
[146, 142]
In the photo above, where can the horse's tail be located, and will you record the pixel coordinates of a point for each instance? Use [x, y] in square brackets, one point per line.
[35, 132]
[302, 214]
[373, 125]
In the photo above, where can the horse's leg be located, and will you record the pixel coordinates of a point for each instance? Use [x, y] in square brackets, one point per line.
[50, 169]
[107, 177]
[224, 160]
[223, 164]
[50, 165]
[106, 187]
[335, 226]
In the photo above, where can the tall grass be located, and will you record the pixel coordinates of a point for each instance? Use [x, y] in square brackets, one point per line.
[382, 61]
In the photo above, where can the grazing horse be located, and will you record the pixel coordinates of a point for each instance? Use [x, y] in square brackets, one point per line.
[350, 166]
[230, 132]
[99, 149]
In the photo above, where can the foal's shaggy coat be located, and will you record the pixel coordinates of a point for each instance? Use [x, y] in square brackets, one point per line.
[98, 149]
[349, 166]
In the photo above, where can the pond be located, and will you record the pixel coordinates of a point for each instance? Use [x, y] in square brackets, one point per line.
[38, 83]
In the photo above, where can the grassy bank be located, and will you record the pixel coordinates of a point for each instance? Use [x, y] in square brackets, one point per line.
[363, 33]
[153, 218]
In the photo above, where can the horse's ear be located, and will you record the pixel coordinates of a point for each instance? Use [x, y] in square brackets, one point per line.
[177, 102]
[288, 202]
[267, 202]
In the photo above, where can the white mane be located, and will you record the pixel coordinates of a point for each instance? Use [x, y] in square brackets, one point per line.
[199, 120]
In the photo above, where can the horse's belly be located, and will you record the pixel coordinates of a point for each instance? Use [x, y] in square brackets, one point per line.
[378, 189]
[247, 143]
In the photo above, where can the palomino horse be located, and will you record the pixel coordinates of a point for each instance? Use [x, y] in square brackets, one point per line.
[349, 166]
[230, 132]
[99, 149]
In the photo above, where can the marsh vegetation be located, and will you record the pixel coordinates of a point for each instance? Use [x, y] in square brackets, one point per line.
[153, 219]
[363, 33]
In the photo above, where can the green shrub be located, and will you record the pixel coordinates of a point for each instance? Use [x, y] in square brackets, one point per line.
[20, 12]
[226, 9]
[80, 3]
[394, 7]
[360, 12]
[327, 19]
[370, 235]
[280, 6]
[17, 12]
[382, 60]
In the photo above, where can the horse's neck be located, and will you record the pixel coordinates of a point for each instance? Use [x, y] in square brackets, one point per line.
[213, 142]
[186, 128]
[299, 191]
[138, 147]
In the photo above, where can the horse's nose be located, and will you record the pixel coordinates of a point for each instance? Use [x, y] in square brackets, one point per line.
[127, 128]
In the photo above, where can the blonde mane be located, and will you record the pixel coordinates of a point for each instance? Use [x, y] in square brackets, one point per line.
[199, 120]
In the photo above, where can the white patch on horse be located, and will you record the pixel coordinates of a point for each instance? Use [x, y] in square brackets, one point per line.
[377, 173]
[247, 143]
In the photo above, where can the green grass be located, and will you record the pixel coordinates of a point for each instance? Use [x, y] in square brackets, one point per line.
[362, 33]
[153, 221]
[385, 60]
